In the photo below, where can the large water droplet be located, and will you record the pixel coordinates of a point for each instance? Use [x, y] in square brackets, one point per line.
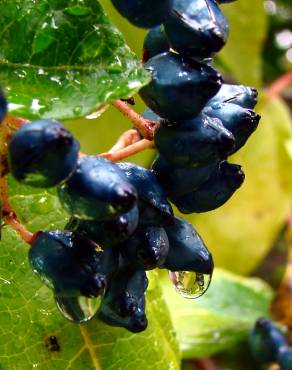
[78, 309]
[190, 284]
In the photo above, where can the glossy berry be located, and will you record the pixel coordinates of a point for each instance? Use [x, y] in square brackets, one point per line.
[285, 358]
[124, 301]
[224, 1]
[193, 142]
[42, 153]
[98, 190]
[213, 193]
[180, 87]
[70, 265]
[147, 248]
[144, 13]
[187, 251]
[180, 180]
[266, 341]
[3, 106]
[239, 121]
[152, 197]
[149, 114]
[196, 28]
[155, 43]
[108, 233]
[246, 97]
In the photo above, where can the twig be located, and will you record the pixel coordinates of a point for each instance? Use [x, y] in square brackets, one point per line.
[10, 217]
[15, 122]
[279, 85]
[129, 150]
[127, 138]
[205, 364]
[145, 126]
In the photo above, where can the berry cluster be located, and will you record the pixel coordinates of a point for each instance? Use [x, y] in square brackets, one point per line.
[269, 344]
[121, 222]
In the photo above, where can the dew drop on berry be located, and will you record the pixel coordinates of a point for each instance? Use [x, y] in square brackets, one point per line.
[77, 309]
[190, 284]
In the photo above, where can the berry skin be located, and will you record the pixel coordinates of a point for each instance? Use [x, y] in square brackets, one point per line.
[246, 97]
[180, 87]
[147, 248]
[187, 251]
[149, 114]
[70, 265]
[155, 43]
[144, 13]
[239, 121]
[196, 28]
[152, 198]
[42, 153]
[225, 1]
[213, 193]
[285, 358]
[180, 180]
[107, 233]
[266, 341]
[193, 142]
[3, 106]
[124, 301]
[97, 190]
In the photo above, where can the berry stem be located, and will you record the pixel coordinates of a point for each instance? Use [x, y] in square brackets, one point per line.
[127, 138]
[205, 364]
[144, 126]
[279, 85]
[129, 150]
[10, 217]
[15, 122]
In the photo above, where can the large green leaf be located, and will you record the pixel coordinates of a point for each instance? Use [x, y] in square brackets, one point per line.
[28, 316]
[222, 317]
[63, 58]
[242, 56]
[241, 232]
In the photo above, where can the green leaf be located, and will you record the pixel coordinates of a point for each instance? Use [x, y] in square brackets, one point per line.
[63, 59]
[242, 56]
[28, 316]
[222, 317]
[240, 233]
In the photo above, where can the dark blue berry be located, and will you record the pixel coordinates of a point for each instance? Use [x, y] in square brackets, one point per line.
[70, 264]
[147, 248]
[144, 13]
[196, 28]
[149, 114]
[213, 193]
[180, 180]
[240, 121]
[193, 142]
[3, 106]
[155, 43]
[246, 97]
[266, 340]
[180, 87]
[187, 251]
[42, 153]
[108, 233]
[285, 358]
[98, 189]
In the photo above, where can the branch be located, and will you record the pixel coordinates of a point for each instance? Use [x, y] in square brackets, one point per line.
[145, 126]
[279, 85]
[205, 364]
[127, 138]
[129, 150]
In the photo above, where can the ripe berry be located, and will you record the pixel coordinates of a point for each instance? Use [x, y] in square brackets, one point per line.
[187, 251]
[155, 43]
[180, 87]
[285, 358]
[97, 189]
[3, 106]
[246, 97]
[193, 142]
[213, 193]
[240, 121]
[144, 13]
[70, 265]
[42, 153]
[196, 28]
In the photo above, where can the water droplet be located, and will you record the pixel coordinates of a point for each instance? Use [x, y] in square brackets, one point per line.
[190, 284]
[78, 309]
[77, 110]
[98, 113]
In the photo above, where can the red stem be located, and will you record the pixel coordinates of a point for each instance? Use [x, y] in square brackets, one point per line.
[279, 85]
[129, 150]
[205, 364]
[127, 138]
